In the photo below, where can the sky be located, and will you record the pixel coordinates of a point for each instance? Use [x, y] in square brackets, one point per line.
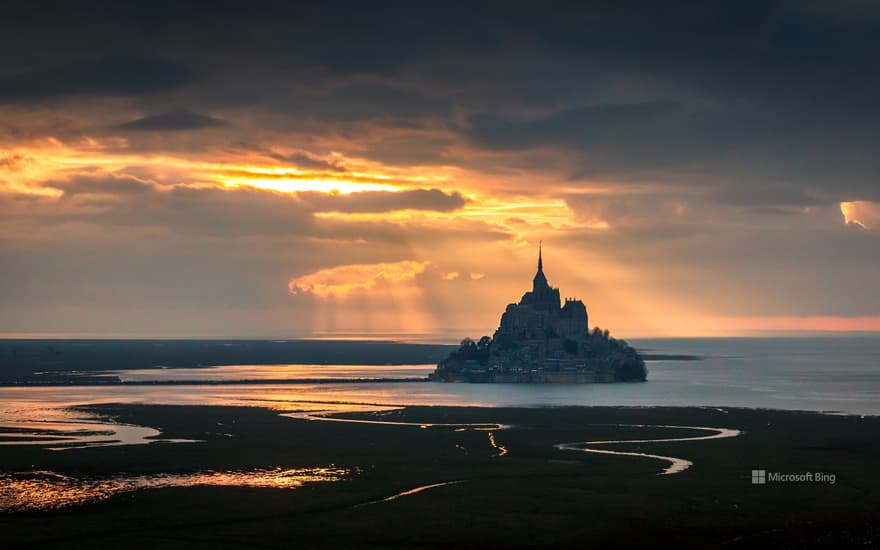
[261, 169]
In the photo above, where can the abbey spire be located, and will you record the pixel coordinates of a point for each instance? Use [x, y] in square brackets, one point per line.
[539, 283]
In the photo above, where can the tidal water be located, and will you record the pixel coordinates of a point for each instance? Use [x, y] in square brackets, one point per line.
[833, 375]
[837, 375]
[47, 490]
[273, 372]
[816, 374]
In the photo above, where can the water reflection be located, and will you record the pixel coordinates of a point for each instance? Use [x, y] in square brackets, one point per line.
[801, 374]
[410, 492]
[64, 429]
[676, 465]
[378, 410]
[272, 372]
[47, 490]
[501, 449]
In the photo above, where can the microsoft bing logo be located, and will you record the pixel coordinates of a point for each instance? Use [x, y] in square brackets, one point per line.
[762, 477]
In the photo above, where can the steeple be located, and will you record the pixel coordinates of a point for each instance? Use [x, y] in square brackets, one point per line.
[539, 283]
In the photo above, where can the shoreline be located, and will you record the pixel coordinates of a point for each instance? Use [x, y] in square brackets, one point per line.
[87, 375]
[248, 382]
[273, 405]
[723, 409]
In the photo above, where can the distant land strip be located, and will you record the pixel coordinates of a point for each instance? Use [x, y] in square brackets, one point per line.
[112, 381]
[670, 357]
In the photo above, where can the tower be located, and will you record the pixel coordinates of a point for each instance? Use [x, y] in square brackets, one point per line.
[539, 283]
[542, 296]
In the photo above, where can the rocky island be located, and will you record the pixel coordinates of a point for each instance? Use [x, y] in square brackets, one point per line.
[541, 341]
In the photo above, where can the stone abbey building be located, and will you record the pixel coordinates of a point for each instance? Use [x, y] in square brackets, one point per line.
[542, 339]
[537, 317]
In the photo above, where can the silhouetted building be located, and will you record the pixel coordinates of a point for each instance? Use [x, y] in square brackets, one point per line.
[539, 340]
[538, 314]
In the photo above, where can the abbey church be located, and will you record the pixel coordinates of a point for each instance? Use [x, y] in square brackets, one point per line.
[538, 315]
[539, 340]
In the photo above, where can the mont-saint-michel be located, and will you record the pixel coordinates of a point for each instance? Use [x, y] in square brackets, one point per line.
[541, 341]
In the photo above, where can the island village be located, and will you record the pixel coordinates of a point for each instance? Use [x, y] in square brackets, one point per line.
[541, 341]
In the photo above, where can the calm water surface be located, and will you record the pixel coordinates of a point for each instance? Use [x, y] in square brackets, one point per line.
[273, 372]
[819, 374]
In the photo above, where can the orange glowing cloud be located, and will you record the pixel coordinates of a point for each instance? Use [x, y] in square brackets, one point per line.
[344, 280]
[25, 169]
[864, 214]
[42, 167]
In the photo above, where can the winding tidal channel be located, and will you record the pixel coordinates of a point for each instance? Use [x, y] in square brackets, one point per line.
[71, 429]
[676, 465]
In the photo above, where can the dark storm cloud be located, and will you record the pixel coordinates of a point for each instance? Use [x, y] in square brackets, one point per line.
[424, 58]
[570, 128]
[123, 75]
[749, 94]
[172, 121]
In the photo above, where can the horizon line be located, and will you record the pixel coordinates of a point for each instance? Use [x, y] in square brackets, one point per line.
[409, 337]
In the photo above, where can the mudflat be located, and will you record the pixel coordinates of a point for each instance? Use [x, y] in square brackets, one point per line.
[432, 477]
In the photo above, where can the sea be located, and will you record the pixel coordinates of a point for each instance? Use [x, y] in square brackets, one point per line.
[827, 374]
